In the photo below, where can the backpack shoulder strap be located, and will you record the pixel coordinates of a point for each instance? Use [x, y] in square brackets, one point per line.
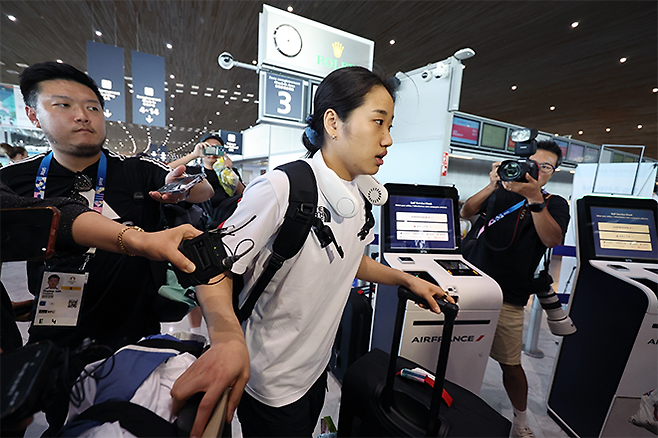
[299, 218]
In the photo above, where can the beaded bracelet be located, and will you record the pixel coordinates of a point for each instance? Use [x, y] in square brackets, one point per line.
[120, 239]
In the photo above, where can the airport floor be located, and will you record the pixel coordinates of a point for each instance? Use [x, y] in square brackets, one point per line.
[538, 372]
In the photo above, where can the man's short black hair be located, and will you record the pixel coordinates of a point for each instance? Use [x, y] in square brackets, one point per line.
[32, 76]
[53, 276]
[551, 146]
[213, 136]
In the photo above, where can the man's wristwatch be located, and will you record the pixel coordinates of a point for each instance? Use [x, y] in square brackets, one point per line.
[536, 208]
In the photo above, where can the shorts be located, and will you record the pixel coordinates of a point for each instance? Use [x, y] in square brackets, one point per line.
[508, 339]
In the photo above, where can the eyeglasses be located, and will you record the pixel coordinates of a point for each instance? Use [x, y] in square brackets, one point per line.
[82, 183]
[546, 167]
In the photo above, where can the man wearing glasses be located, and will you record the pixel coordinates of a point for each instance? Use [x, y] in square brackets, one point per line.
[522, 221]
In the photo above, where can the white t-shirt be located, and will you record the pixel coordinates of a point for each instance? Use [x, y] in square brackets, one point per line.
[294, 323]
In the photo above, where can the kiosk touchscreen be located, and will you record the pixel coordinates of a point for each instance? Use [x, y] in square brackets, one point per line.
[603, 370]
[420, 235]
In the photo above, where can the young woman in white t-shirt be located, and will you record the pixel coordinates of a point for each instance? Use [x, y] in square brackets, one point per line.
[288, 337]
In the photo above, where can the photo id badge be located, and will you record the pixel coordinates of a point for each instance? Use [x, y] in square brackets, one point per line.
[60, 298]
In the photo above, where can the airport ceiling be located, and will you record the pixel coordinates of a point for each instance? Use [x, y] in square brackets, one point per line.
[528, 44]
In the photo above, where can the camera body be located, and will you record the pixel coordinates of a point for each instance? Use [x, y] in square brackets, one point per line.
[515, 170]
[525, 145]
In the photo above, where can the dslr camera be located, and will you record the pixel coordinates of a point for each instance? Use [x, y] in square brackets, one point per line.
[525, 145]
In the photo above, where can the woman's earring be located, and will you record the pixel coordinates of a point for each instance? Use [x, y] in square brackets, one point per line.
[333, 136]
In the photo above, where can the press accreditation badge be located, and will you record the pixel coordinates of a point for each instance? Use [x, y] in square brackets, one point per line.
[60, 298]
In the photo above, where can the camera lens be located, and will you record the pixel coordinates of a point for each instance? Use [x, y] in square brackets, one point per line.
[510, 170]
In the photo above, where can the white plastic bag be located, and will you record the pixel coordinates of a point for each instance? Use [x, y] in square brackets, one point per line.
[647, 415]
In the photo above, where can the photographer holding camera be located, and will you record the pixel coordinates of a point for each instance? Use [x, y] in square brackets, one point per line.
[522, 220]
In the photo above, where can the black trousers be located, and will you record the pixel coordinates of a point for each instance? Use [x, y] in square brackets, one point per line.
[297, 419]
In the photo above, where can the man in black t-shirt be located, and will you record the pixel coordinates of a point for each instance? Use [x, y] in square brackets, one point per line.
[526, 221]
[118, 303]
[223, 202]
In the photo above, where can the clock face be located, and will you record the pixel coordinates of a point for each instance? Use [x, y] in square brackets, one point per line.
[287, 40]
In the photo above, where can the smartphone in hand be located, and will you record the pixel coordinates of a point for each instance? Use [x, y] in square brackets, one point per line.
[182, 184]
[214, 150]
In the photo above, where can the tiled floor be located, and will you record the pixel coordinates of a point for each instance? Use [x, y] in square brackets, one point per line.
[538, 372]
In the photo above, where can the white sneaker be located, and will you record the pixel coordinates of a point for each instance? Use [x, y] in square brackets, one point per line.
[521, 432]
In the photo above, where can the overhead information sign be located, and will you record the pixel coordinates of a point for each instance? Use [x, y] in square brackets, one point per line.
[148, 86]
[302, 45]
[105, 66]
[283, 97]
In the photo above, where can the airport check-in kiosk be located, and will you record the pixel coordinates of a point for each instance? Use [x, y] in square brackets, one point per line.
[420, 235]
[603, 369]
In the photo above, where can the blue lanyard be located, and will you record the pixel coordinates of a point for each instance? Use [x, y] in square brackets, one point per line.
[499, 216]
[42, 176]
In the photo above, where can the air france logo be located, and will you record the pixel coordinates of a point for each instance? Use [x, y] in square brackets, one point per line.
[435, 339]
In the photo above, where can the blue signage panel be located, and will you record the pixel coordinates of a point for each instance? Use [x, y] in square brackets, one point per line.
[232, 142]
[284, 97]
[148, 89]
[105, 66]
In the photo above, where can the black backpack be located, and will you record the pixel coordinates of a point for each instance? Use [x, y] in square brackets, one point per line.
[300, 218]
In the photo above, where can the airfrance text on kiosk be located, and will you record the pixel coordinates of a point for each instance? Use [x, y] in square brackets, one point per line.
[420, 235]
[603, 369]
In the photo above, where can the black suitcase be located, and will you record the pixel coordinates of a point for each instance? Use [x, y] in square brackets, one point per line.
[353, 334]
[377, 403]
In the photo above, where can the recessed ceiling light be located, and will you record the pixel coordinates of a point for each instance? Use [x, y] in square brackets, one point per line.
[391, 42]
[171, 108]
[210, 122]
[254, 62]
[59, 61]
[179, 85]
[179, 91]
[513, 87]
[172, 77]
[193, 92]
[169, 46]
[22, 65]
[195, 87]
[250, 95]
[99, 33]
[237, 93]
[238, 86]
[210, 89]
[623, 60]
[655, 90]
[217, 113]
[131, 90]
[607, 129]
[580, 132]
[207, 94]
[552, 108]
[172, 96]
[639, 126]
[575, 24]
[226, 103]
[289, 9]
[223, 91]
[11, 17]
[245, 100]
